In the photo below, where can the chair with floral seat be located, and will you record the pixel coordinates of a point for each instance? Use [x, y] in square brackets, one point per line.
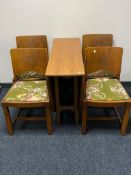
[30, 89]
[104, 91]
[35, 41]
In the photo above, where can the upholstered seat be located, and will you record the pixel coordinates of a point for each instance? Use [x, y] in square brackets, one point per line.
[28, 91]
[105, 89]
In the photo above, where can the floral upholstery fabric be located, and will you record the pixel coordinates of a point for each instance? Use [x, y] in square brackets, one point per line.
[28, 91]
[30, 75]
[105, 89]
[101, 73]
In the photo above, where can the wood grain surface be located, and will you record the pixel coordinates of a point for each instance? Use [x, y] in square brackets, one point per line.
[66, 58]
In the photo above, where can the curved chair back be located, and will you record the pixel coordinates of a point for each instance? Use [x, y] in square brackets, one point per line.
[29, 59]
[96, 40]
[103, 58]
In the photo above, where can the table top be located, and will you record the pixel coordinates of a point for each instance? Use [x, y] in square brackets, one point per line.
[66, 58]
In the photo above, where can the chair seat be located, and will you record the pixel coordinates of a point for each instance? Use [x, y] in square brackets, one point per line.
[105, 89]
[28, 91]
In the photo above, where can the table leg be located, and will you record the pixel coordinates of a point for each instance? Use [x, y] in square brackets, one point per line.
[57, 101]
[76, 99]
[84, 119]
[49, 120]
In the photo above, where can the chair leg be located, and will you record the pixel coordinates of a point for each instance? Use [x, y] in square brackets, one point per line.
[84, 120]
[76, 99]
[49, 121]
[9, 125]
[125, 120]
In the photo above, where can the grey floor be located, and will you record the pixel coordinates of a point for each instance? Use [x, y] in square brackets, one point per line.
[30, 151]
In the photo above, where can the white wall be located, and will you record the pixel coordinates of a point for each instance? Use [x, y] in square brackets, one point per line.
[64, 18]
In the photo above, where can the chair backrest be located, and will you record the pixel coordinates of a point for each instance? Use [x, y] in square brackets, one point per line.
[29, 59]
[32, 41]
[103, 58]
[96, 40]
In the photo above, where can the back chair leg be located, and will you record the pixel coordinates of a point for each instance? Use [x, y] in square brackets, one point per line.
[125, 120]
[84, 120]
[49, 121]
[9, 125]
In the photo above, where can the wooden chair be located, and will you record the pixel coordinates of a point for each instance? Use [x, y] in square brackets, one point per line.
[96, 40]
[104, 92]
[28, 94]
[32, 41]
[36, 41]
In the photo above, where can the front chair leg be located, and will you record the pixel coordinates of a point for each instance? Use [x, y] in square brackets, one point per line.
[9, 125]
[84, 120]
[125, 120]
[49, 120]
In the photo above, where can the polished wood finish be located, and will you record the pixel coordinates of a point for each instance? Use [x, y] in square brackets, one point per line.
[125, 119]
[65, 58]
[31, 41]
[29, 59]
[32, 59]
[106, 58]
[96, 40]
[9, 125]
[103, 58]
[66, 61]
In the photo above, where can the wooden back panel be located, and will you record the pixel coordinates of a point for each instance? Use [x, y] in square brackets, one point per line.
[34, 41]
[96, 40]
[29, 59]
[105, 58]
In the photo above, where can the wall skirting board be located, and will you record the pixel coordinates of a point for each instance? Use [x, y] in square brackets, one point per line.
[5, 85]
[126, 83]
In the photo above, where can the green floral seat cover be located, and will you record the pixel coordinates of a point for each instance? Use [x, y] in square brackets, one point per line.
[105, 89]
[30, 75]
[101, 73]
[28, 91]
